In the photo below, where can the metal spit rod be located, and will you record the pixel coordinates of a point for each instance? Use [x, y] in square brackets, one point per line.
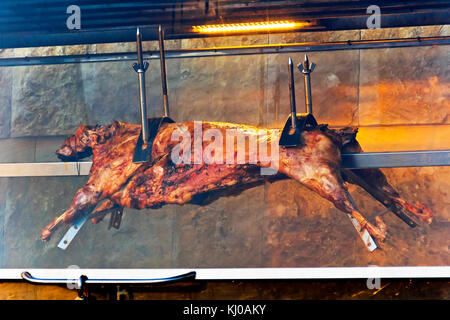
[163, 72]
[140, 67]
[292, 94]
[396, 159]
[306, 68]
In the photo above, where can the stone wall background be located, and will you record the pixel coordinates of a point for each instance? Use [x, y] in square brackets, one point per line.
[398, 98]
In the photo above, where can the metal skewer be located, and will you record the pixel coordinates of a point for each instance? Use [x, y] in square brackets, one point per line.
[292, 94]
[163, 72]
[141, 67]
[306, 68]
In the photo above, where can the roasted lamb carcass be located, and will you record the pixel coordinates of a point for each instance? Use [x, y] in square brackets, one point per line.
[118, 182]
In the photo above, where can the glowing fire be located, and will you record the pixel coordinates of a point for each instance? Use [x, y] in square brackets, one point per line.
[250, 26]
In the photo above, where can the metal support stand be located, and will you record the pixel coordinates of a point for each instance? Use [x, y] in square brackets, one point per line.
[141, 67]
[150, 127]
[291, 136]
[307, 68]
[163, 72]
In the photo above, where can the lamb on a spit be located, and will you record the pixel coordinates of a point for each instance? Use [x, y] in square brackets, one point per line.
[115, 181]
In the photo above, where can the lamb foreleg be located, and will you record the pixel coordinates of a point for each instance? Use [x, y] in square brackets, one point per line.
[85, 200]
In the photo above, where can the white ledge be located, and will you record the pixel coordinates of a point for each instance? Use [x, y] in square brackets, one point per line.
[117, 275]
[45, 169]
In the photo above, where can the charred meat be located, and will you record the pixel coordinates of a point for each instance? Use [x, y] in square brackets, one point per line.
[115, 181]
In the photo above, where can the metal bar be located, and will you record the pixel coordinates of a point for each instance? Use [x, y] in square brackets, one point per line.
[140, 68]
[163, 72]
[143, 105]
[187, 276]
[73, 230]
[396, 159]
[229, 51]
[80, 221]
[308, 96]
[349, 161]
[307, 68]
[292, 94]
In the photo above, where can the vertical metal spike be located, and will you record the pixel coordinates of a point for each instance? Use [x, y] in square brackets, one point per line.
[306, 62]
[306, 68]
[292, 94]
[163, 72]
[140, 68]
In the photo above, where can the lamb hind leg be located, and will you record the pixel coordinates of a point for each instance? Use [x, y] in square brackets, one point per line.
[85, 200]
[328, 183]
[375, 182]
[420, 210]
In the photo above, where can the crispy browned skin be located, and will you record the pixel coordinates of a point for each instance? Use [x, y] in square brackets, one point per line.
[119, 181]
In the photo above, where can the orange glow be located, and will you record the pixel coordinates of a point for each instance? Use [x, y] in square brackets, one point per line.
[250, 26]
[404, 138]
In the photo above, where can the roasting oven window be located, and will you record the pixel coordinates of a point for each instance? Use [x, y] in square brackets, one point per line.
[397, 97]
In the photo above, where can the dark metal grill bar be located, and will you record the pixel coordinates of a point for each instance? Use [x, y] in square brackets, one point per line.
[229, 51]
